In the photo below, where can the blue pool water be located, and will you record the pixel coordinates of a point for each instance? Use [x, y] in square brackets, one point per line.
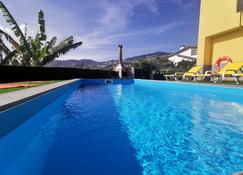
[145, 128]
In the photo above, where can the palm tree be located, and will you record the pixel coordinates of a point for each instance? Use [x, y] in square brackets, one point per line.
[31, 51]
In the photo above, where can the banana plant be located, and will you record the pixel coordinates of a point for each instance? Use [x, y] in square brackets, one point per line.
[48, 51]
[9, 39]
[42, 28]
[61, 49]
[31, 51]
[9, 55]
[24, 48]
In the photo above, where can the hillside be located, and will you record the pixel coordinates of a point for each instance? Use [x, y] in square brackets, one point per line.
[147, 56]
[91, 64]
[71, 63]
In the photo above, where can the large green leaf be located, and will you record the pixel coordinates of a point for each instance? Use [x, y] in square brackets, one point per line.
[51, 43]
[10, 39]
[9, 18]
[24, 46]
[41, 26]
[61, 49]
[10, 58]
[62, 45]
[4, 48]
[34, 52]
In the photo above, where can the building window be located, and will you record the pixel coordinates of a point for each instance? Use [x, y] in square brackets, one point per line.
[193, 52]
[239, 5]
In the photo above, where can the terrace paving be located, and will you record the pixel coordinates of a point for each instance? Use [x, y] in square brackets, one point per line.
[10, 99]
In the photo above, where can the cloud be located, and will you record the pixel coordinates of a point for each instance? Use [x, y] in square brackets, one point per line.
[115, 19]
[103, 24]
[98, 40]
[23, 28]
[117, 13]
[152, 5]
[185, 4]
[94, 44]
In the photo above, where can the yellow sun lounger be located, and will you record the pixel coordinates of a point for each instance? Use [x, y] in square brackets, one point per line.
[237, 77]
[202, 76]
[193, 71]
[230, 70]
[174, 76]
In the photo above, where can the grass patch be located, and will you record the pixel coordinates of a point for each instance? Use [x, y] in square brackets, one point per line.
[35, 84]
[2, 91]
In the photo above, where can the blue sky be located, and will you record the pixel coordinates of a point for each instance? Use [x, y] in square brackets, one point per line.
[142, 26]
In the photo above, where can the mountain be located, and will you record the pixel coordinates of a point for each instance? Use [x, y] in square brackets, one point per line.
[84, 64]
[71, 63]
[147, 56]
[91, 64]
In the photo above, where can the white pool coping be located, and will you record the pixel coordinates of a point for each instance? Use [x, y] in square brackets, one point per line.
[10, 99]
[197, 83]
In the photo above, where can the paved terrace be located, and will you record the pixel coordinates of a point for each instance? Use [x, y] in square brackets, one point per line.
[11, 99]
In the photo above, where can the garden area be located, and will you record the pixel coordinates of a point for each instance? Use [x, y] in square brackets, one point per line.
[10, 87]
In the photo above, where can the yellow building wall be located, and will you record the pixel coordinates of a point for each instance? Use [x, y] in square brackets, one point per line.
[228, 45]
[220, 32]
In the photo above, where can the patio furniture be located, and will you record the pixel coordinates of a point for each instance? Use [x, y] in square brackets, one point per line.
[189, 74]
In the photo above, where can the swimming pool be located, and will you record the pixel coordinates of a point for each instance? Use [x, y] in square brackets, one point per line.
[146, 127]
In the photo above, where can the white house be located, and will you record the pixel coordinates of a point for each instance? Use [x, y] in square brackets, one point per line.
[188, 53]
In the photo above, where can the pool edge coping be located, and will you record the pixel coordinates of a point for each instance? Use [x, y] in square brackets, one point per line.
[24, 95]
[197, 84]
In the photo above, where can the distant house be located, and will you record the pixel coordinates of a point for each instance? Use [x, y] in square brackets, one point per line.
[188, 53]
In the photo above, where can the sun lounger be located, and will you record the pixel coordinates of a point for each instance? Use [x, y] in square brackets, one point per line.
[175, 76]
[237, 77]
[193, 71]
[202, 76]
[229, 70]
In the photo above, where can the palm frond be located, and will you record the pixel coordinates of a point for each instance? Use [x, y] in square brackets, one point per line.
[4, 48]
[51, 43]
[9, 18]
[9, 59]
[62, 45]
[32, 51]
[10, 39]
[60, 50]
[68, 40]
[18, 33]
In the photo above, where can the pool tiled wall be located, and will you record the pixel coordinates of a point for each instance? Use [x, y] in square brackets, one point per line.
[15, 116]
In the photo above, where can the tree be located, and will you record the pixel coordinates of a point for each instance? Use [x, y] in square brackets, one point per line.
[153, 66]
[30, 51]
[145, 68]
[184, 65]
[159, 66]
